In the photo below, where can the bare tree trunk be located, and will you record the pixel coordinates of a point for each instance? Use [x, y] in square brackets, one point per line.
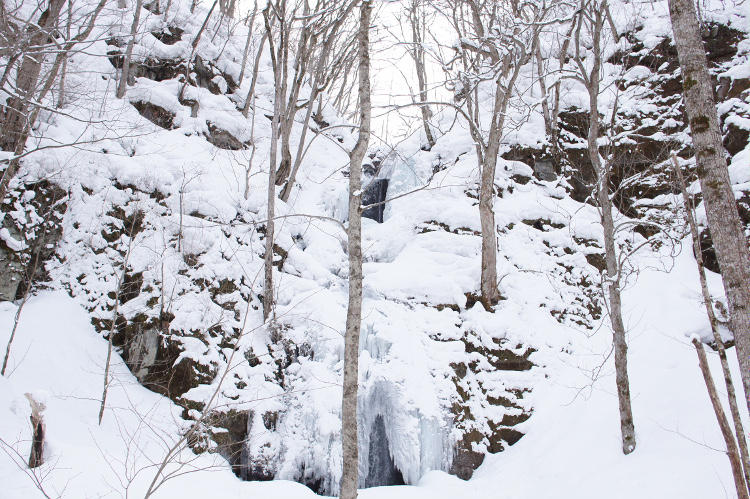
[349, 437]
[731, 394]
[721, 211]
[27, 79]
[122, 85]
[115, 310]
[488, 280]
[555, 128]
[64, 70]
[279, 92]
[247, 41]
[320, 79]
[726, 431]
[417, 54]
[611, 280]
[287, 190]
[36, 457]
[250, 161]
[254, 80]
[304, 51]
[548, 125]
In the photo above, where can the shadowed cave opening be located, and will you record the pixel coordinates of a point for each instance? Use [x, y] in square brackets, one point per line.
[381, 470]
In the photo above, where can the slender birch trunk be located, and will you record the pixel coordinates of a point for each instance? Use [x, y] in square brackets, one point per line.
[349, 437]
[612, 279]
[721, 210]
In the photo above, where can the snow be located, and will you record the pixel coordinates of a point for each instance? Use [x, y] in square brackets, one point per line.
[574, 445]
[421, 267]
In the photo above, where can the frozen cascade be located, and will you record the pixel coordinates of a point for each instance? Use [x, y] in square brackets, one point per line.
[398, 442]
[381, 470]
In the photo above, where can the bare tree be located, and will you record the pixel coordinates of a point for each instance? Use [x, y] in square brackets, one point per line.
[279, 51]
[122, 85]
[417, 23]
[590, 20]
[708, 302]
[115, 311]
[250, 26]
[315, 38]
[350, 442]
[64, 70]
[325, 71]
[496, 39]
[194, 47]
[254, 79]
[721, 210]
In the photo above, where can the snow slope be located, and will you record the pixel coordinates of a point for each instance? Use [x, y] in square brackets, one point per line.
[573, 450]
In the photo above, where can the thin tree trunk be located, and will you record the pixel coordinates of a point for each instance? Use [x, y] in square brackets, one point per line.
[731, 394]
[612, 277]
[543, 89]
[721, 210]
[249, 167]
[254, 80]
[286, 191]
[316, 91]
[17, 109]
[304, 47]
[555, 131]
[349, 437]
[115, 310]
[726, 431]
[61, 93]
[247, 41]
[417, 53]
[271, 198]
[488, 280]
[122, 85]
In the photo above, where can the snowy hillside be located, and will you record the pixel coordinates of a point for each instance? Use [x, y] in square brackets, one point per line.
[144, 220]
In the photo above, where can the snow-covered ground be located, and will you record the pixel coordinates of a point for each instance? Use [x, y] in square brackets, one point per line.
[573, 450]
